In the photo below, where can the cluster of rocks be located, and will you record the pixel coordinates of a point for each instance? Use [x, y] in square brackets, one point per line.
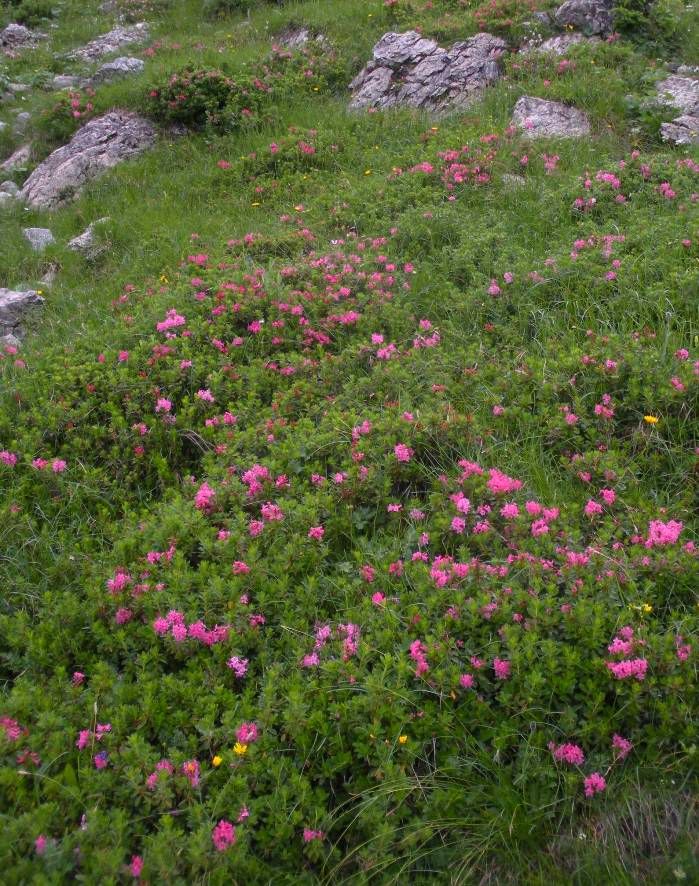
[99, 145]
[408, 69]
[111, 42]
[15, 307]
[682, 93]
[16, 37]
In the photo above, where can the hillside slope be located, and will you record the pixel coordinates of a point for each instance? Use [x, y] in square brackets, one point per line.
[348, 457]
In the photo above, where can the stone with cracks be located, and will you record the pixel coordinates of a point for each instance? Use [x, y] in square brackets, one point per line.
[123, 66]
[39, 238]
[538, 118]
[100, 144]
[560, 44]
[589, 16]
[681, 93]
[16, 36]
[86, 243]
[15, 306]
[682, 130]
[295, 38]
[407, 69]
[18, 160]
[111, 42]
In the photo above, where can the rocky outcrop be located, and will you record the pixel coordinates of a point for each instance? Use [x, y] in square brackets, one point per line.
[296, 38]
[407, 69]
[15, 37]
[86, 243]
[111, 42]
[682, 130]
[538, 118]
[15, 306]
[560, 44]
[589, 16]
[100, 144]
[124, 66]
[39, 238]
[18, 160]
[681, 93]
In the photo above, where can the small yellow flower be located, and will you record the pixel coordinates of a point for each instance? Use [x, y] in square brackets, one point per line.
[254, 204]
[40, 291]
[164, 279]
[402, 739]
[651, 419]
[367, 172]
[240, 749]
[217, 760]
[646, 608]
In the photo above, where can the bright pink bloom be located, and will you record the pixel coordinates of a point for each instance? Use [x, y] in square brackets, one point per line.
[223, 835]
[247, 733]
[622, 747]
[136, 866]
[316, 533]
[594, 784]
[567, 753]
[502, 668]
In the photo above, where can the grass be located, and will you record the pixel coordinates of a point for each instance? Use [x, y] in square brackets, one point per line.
[472, 795]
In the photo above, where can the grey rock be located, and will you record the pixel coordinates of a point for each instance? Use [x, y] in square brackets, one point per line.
[682, 130]
[100, 144]
[3, 125]
[295, 38]
[9, 187]
[86, 243]
[18, 88]
[688, 69]
[115, 70]
[542, 17]
[9, 341]
[18, 160]
[16, 36]
[66, 81]
[21, 123]
[560, 44]
[538, 118]
[514, 181]
[407, 69]
[39, 238]
[49, 277]
[6, 199]
[681, 93]
[590, 16]
[15, 306]
[111, 42]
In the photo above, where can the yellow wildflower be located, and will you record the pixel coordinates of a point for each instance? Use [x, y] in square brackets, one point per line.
[217, 760]
[240, 749]
[651, 419]
[402, 739]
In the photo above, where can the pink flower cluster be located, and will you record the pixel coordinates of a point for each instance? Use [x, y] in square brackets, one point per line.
[174, 624]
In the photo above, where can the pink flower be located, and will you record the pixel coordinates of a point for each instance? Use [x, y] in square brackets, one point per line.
[622, 746]
[239, 666]
[40, 844]
[190, 770]
[594, 784]
[204, 499]
[467, 681]
[223, 835]
[205, 395]
[8, 458]
[136, 866]
[101, 760]
[567, 753]
[163, 405]
[316, 533]
[633, 667]
[403, 453]
[247, 733]
[78, 678]
[592, 508]
[502, 668]
[509, 511]
[123, 356]
[123, 615]
[501, 483]
[660, 533]
[309, 835]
